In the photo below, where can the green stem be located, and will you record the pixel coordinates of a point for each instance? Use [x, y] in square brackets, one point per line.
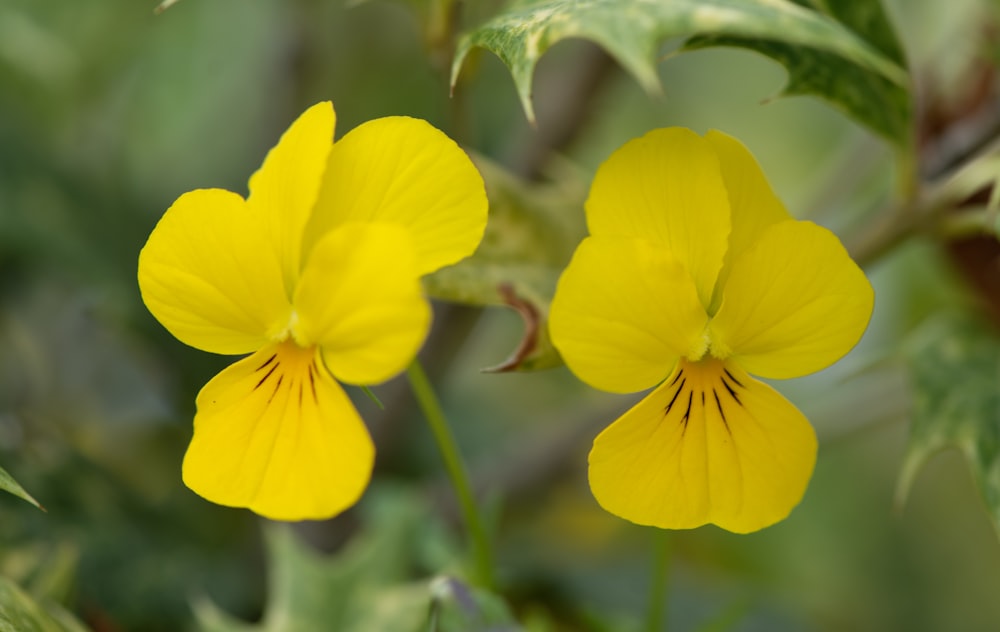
[657, 607]
[441, 28]
[456, 472]
[907, 175]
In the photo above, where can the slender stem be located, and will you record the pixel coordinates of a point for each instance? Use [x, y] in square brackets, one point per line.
[442, 23]
[907, 175]
[456, 472]
[442, 15]
[657, 607]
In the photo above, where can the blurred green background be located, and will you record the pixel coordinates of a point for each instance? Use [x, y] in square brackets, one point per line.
[108, 113]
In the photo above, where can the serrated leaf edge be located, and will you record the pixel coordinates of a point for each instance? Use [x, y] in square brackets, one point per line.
[643, 69]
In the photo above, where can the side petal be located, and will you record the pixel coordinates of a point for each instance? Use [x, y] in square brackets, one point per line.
[666, 187]
[753, 204]
[208, 274]
[285, 187]
[795, 303]
[404, 171]
[276, 434]
[360, 299]
[710, 445]
[624, 311]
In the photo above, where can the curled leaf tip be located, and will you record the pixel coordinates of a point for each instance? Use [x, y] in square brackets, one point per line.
[529, 341]
[461, 53]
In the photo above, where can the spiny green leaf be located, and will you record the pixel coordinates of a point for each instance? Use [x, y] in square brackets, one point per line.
[632, 31]
[363, 588]
[955, 372]
[867, 19]
[870, 98]
[309, 591]
[532, 232]
[8, 484]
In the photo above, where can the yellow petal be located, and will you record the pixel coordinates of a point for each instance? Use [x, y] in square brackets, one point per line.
[209, 275]
[404, 171]
[709, 445]
[795, 303]
[624, 312]
[275, 433]
[666, 187]
[285, 187]
[753, 204]
[360, 299]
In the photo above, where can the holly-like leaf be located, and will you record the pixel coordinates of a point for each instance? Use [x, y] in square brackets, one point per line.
[532, 232]
[8, 484]
[870, 98]
[364, 587]
[955, 372]
[822, 55]
[309, 591]
[867, 19]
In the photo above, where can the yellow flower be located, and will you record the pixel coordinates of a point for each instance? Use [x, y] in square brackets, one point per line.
[695, 276]
[317, 275]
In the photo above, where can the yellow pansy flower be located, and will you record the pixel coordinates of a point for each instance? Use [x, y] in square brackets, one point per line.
[316, 274]
[694, 276]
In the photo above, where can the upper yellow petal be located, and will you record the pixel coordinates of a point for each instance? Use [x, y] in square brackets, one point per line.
[285, 187]
[275, 433]
[753, 204]
[710, 445]
[208, 274]
[624, 311]
[794, 303]
[666, 187]
[404, 171]
[360, 299]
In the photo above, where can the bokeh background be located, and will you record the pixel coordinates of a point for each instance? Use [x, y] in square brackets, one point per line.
[109, 112]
